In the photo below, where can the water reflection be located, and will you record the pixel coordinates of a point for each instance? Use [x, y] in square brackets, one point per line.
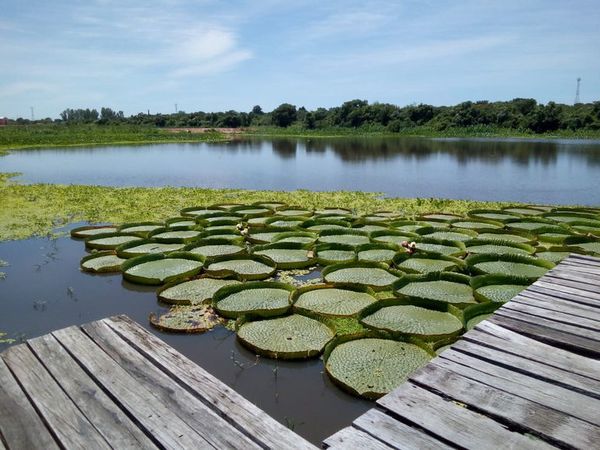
[544, 171]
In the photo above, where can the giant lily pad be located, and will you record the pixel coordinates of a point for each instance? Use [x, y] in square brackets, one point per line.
[374, 275]
[344, 237]
[215, 247]
[285, 221]
[377, 252]
[160, 269]
[515, 265]
[421, 262]
[242, 267]
[92, 230]
[413, 320]
[442, 217]
[110, 241]
[174, 235]
[291, 337]
[440, 246]
[408, 225]
[293, 211]
[477, 225]
[181, 222]
[520, 237]
[193, 292]
[476, 314]
[442, 287]
[392, 236]
[525, 211]
[492, 214]
[102, 262]
[498, 247]
[186, 319]
[328, 254]
[296, 237]
[455, 234]
[318, 225]
[140, 228]
[331, 300]
[146, 247]
[260, 298]
[586, 244]
[498, 288]
[265, 235]
[199, 211]
[287, 255]
[372, 367]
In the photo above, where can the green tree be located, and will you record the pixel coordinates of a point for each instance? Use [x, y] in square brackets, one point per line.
[284, 115]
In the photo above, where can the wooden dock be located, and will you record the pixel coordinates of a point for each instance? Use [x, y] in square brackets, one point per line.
[111, 384]
[529, 377]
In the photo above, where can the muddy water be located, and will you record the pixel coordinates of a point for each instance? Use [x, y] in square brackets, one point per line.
[44, 290]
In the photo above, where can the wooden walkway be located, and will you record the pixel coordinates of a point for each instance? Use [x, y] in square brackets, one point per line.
[529, 377]
[111, 384]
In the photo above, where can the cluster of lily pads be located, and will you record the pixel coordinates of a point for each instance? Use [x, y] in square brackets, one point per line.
[297, 283]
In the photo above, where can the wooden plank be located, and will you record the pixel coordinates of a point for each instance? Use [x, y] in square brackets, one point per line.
[564, 295]
[530, 388]
[580, 268]
[584, 281]
[524, 306]
[2, 447]
[585, 259]
[61, 416]
[20, 426]
[577, 344]
[350, 438]
[395, 433]
[98, 408]
[180, 402]
[584, 289]
[500, 338]
[548, 322]
[561, 304]
[522, 364]
[140, 403]
[510, 409]
[452, 422]
[229, 403]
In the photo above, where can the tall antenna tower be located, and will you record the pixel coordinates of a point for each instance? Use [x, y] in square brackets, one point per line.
[577, 101]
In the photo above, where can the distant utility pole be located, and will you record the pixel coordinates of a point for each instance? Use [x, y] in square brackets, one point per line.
[32, 117]
[175, 108]
[577, 101]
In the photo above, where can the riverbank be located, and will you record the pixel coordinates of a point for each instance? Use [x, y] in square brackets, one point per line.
[38, 209]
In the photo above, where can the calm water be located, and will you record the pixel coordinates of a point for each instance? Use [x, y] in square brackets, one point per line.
[44, 290]
[563, 171]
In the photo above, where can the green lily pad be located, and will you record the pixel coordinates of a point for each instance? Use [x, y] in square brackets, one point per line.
[140, 228]
[199, 211]
[377, 252]
[410, 226]
[440, 216]
[393, 237]
[330, 300]
[92, 230]
[459, 235]
[524, 211]
[344, 237]
[187, 319]
[159, 269]
[287, 255]
[477, 224]
[146, 247]
[498, 247]
[492, 214]
[296, 237]
[180, 222]
[500, 293]
[474, 321]
[371, 367]
[265, 235]
[294, 212]
[102, 262]
[441, 287]
[318, 225]
[414, 320]
[421, 262]
[442, 247]
[291, 337]
[264, 299]
[374, 275]
[215, 247]
[110, 241]
[582, 243]
[514, 265]
[328, 254]
[501, 235]
[174, 235]
[242, 267]
[193, 292]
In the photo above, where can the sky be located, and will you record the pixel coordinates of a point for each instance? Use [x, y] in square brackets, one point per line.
[215, 55]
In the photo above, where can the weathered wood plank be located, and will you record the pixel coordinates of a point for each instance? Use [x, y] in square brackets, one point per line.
[2, 447]
[20, 426]
[580, 268]
[585, 259]
[539, 391]
[511, 409]
[574, 286]
[560, 304]
[522, 305]
[62, 417]
[459, 425]
[522, 364]
[350, 438]
[196, 414]
[98, 408]
[557, 292]
[229, 403]
[500, 338]
[582, 281]
[395, 433]
[147, 409]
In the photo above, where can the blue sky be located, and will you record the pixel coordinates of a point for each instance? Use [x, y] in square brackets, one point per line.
[219, 55]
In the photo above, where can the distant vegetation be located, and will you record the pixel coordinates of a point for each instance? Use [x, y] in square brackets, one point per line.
[515, 117]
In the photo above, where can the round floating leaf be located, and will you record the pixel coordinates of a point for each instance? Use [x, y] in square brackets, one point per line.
[287, 255]
[161, 269]
[372, 367]
[264, 235]
[498, 247]
[92, 230]
[492, 214]
[110, 241]
[328, 254]
[232, 237]
[387, 214]
[428, 324]
[515, 265]
[199, 211]
[252, 211]
[102, 262]
[344, 237]
[477, 225]
[285, 221]
[373, 219]
[525, 211]
[440, 246]
[293, 211]
[443, 217]
[334, 211]
[377, 252]
[227, 206]
[181, 222]
[331, 300]
[291, 337]
[377, 276]
[571, 217]
[369, 227]
[242, 267]
[421, 262]
[322, 225]
[259, 298]
[436, 288]
[296, 237]
[146, 247]
[140, 228]
[536, 225]
[393, 237]
[497, 288]
[272, 205]
[478, 313]
[215, 247]
[174, 235]
[193, 292]
[455, 234]
[521, 237]
[408, 225]
[187, 319]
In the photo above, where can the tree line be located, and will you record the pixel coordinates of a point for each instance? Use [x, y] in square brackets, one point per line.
[521, 114]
